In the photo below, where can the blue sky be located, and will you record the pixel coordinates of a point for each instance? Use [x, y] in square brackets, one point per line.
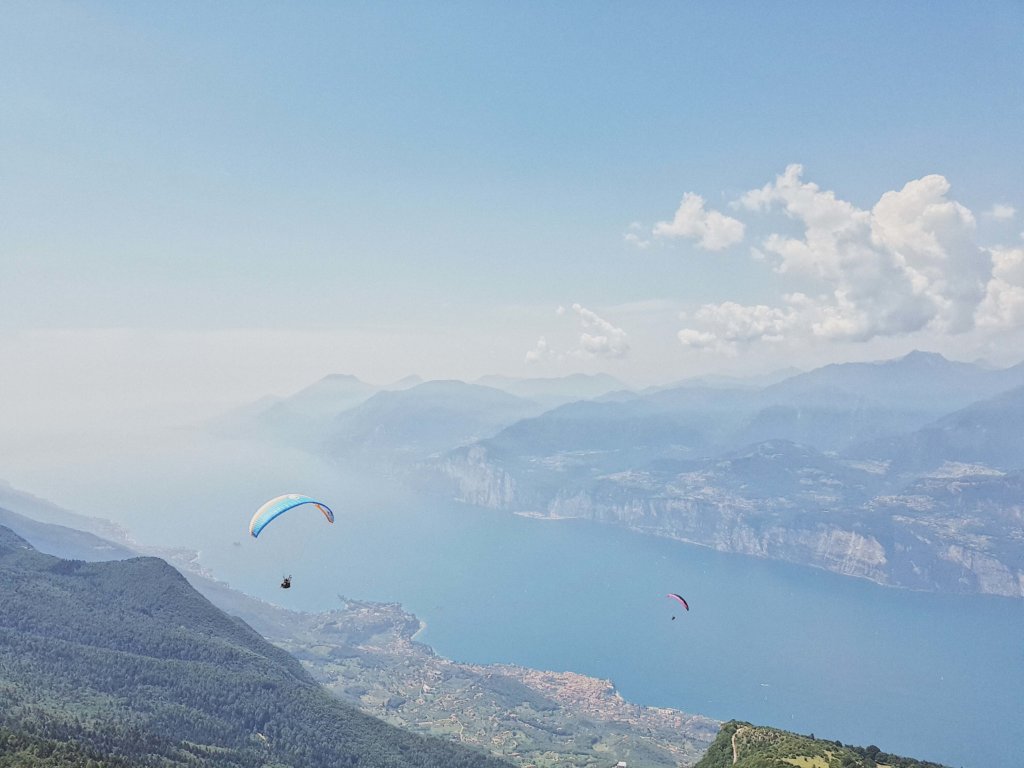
[201, 203]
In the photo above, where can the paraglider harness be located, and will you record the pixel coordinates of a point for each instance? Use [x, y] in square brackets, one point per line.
[286, 582]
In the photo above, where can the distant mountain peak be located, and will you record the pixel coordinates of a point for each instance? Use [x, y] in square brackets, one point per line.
[332, 384]
[497, 377]
[919, 357]
[407, 382]
[556, 390]
[447, 384]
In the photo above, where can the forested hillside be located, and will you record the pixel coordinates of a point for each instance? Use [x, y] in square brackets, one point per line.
[750, 746]
[364, 654]
[124, 662]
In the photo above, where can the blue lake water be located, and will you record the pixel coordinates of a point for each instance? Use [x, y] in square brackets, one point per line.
[934, 676]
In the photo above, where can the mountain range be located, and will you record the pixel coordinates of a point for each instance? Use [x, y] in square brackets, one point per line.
[856, 467]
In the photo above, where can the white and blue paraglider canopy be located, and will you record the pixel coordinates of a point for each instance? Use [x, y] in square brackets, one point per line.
[281, 504]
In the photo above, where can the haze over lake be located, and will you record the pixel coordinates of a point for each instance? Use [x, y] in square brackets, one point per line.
[748, 275]
[932, 675]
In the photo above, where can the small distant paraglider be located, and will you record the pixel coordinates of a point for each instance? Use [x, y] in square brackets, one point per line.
[681, 599]
[286, 582]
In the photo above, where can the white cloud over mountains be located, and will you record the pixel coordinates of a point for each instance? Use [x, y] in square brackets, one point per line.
[541, 351]
[599, 338]
[1004, 298]
[729, 323]
[910, 263]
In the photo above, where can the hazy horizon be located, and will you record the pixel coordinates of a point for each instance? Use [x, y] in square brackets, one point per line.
[205, 205]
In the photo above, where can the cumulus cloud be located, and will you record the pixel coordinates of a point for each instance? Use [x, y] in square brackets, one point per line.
[726, 326]
[691, 337]
[1003, 306]
[909, 263]
[736, 322]
[930, 241]
[1001, 212]
[635, 236]
[540, 352]
[634, 239]
[712, 229]
[829, 223]
[600, 338]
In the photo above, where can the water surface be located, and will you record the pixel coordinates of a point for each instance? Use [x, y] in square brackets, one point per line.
[934, 676]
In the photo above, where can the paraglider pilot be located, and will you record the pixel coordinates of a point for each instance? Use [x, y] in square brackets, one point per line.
[277, 507]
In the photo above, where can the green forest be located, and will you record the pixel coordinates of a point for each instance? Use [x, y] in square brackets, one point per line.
[123, 663]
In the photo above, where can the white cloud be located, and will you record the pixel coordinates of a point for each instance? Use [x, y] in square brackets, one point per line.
[540, 352]
[712, 230]
[635, 235]
[634, 239]
[599, 337]
[726, 325]
[908, 264]
[1001, 212]
[1003, 306]
[830, 224]
[930, 240]
[735, 322]
[690, 337]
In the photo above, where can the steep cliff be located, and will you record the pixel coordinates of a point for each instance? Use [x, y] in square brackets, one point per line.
[960, 529]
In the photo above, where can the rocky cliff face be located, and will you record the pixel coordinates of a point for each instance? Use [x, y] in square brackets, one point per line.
[479, 481]
[906, 472]
[962, 532]
[731, 524]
